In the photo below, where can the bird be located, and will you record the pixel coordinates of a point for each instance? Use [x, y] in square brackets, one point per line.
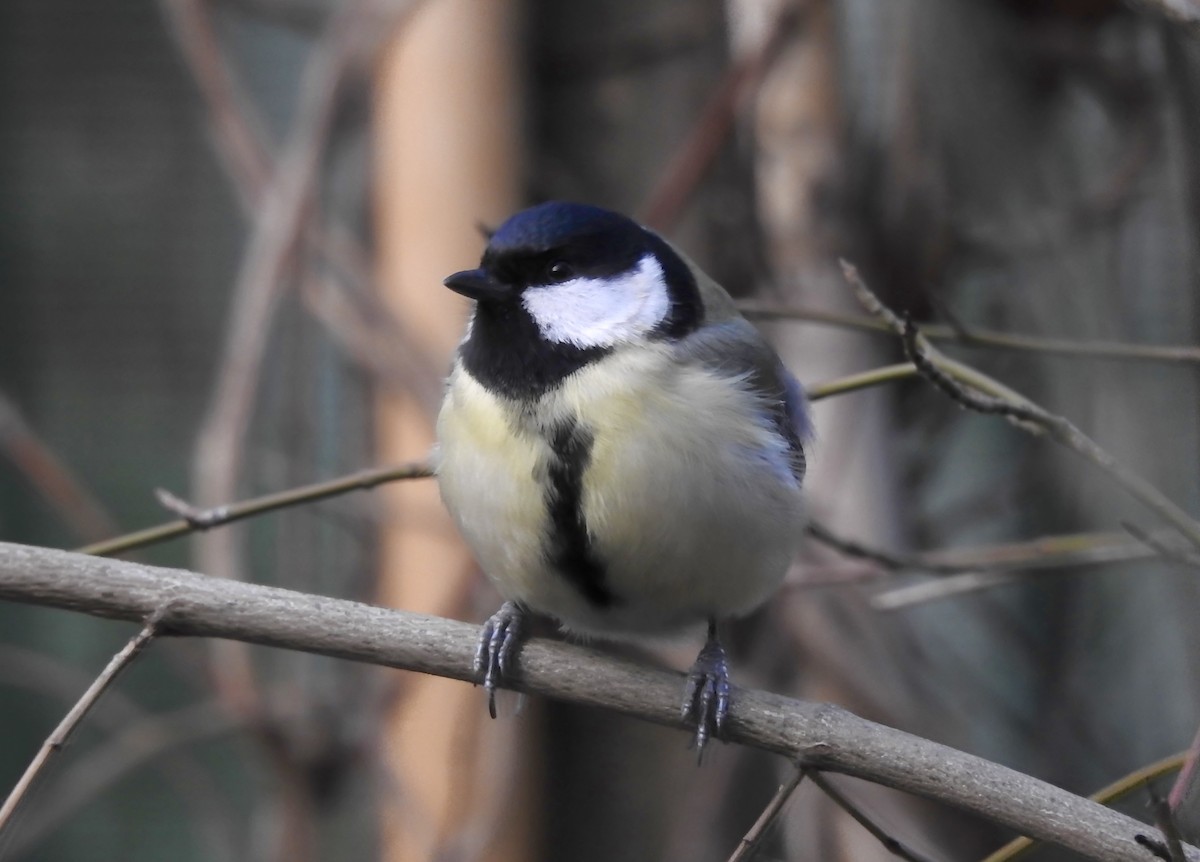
[621, 450]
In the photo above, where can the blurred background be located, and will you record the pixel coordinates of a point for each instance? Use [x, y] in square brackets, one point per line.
[223, 227]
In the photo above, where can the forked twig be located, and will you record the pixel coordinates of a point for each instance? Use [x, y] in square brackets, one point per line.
[1069, 348]
[978, 391]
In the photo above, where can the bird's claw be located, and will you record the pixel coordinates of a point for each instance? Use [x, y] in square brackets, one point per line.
[707, 693]
[496, 652]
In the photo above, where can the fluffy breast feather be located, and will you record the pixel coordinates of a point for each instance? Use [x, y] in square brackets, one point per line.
[688, 494]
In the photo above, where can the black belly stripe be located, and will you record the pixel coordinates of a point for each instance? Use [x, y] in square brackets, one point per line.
[571, 550]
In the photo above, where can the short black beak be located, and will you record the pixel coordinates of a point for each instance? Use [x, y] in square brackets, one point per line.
[476, 284]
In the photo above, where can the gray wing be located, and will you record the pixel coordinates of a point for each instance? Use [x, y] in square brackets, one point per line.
[734, 347]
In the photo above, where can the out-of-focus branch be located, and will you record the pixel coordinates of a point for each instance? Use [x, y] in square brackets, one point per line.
[962, 570]
[819, 736]
[239, 134]
[58, 738]
[975, 337]
[210, 811]
[65, 493]
[696, 154]
[142, 741]
[353, 313]
[279, 229]
[865, 380]
[977, 391]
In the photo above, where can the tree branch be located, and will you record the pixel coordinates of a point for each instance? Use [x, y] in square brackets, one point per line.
[1070, 348]
[819, 736]
[973, 389]
[219, 515]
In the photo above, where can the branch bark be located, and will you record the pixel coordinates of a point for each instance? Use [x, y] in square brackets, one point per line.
[818, 736]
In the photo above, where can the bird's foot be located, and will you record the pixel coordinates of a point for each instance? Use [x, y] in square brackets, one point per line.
[496, 654]
[706, 696]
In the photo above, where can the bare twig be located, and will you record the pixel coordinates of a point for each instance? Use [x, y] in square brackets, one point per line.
[1107, 795]
[1045, 552]
[892, 845]
[118, 716]
[1161, 546]
[864, 380]
[888, 560]
[821, 736]
[975, 388]
[219, 515]
[767, 818]
[987, 338]
[58, 738]
[140, 742]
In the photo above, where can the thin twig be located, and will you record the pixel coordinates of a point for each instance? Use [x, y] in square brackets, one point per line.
[983, 338]
[767, 818]
[863, 380]
[118, 716]
[219, 515]
[892, 845]
[1107, 795]
[1160, 546]
[972, 383]
[58, 738]
[1070, 549]
[140, 742]
[887, 559]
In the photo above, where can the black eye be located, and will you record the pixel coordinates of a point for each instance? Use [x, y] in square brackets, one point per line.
[560, 271]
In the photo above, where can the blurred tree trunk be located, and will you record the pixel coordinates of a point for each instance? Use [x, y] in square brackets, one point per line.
[447, 132]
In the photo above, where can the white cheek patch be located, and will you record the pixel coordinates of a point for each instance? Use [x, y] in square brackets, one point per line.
[601, 312]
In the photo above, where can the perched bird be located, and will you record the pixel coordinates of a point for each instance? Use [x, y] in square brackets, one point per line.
[621, 450]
